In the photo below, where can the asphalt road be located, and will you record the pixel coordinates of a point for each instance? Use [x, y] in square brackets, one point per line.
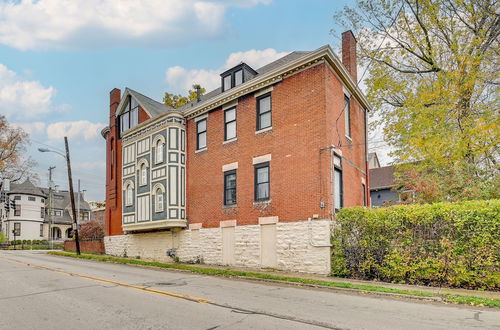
[39, 291]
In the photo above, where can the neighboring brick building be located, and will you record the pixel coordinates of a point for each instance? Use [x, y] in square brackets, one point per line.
[251, 174]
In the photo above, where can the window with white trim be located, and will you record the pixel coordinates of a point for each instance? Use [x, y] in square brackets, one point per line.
[159, 200]
[129, 195]
[264, 112]
[159, 151]
[262, 182]
[230, 124]
[201, 134]
[144, 175]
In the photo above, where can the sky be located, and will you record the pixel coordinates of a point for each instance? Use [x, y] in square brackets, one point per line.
[59, 59]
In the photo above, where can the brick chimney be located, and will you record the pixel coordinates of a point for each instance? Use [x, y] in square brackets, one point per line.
[349, 53]
[113, 215]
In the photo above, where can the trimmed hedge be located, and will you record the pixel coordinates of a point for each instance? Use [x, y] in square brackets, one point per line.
[442, 244]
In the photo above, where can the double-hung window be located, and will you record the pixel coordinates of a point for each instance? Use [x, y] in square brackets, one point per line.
[347, 115]
[338, 198]
[42, 212]
[17, 210]
[229, 124]
[41, 230]
[230, 187]
[201, 134]
[261, 185]
[17, 228]
[264, 111]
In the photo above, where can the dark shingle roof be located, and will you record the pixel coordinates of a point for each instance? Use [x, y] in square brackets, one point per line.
[265, 69]
[382, 177]
[155, 108]
[27, 188]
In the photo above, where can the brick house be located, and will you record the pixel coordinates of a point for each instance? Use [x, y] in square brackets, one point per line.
[251, 174]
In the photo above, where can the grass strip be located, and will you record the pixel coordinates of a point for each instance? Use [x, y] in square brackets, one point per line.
[451, 298]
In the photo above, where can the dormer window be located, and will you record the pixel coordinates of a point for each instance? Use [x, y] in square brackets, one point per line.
[237, 76]
[227, 82]
[129, 117]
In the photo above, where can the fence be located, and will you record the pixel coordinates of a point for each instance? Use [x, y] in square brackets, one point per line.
[86, 245]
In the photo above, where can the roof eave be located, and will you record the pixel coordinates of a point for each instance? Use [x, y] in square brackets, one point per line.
[325, 52]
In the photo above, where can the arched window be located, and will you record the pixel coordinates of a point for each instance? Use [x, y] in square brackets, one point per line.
[144, 174]
[159, 200]
[159, 192]
[159, 151]
[129, 195]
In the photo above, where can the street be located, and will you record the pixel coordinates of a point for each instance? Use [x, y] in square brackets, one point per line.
[39, 291]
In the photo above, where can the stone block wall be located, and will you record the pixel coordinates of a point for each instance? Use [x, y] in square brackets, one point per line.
[300, 246]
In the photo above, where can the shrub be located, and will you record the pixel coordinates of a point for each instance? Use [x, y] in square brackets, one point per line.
[92, 229]
[451, 244]
[2, 238]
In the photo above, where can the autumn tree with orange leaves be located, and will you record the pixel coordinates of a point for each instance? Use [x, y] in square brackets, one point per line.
[14, 165]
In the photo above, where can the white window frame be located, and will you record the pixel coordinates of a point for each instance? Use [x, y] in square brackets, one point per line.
[159, 151]
[159, 201]
[129, 195]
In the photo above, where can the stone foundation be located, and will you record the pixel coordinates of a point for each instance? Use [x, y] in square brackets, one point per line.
[300, 246]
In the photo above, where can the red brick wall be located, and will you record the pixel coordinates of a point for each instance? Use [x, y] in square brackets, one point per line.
[113, 215]
[86, 246]
[304, 108]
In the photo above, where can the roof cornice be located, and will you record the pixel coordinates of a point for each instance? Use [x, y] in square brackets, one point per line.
[324, 53]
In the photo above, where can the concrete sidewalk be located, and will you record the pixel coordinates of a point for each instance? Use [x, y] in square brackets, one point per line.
[435, 290]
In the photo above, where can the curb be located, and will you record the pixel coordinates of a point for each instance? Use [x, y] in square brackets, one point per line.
[287, 283]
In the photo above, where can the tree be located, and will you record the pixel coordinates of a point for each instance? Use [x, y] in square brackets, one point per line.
[177, 101]
[13, 142]
[433, 81]
[92, 229]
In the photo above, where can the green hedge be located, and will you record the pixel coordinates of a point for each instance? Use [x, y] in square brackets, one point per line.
[449, 244]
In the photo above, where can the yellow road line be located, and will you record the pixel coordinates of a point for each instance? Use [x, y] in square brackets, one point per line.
[125, 285]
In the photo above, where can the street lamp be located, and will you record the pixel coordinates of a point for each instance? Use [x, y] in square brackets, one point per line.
[72, 196]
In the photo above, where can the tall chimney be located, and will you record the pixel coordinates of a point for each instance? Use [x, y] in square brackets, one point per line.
[349, 53]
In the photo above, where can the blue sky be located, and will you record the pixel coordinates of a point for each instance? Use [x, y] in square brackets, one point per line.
[59, 60]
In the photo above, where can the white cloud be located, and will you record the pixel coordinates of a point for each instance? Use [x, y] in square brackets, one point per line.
[21, 98]
[181, 79]
[33, 128]
[74, 129]
[47, 24]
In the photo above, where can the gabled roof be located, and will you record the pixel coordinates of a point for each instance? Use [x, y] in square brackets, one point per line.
[382, 178]
[153, 108]
[26, 188]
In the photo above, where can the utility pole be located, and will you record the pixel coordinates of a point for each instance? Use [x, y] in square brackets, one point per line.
[78, 202]
[72, 196]
[51, 243]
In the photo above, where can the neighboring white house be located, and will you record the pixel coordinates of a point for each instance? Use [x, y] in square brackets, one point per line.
[31, 218]
[28, 217]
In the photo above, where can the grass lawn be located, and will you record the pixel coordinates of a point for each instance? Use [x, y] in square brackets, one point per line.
[450, 298]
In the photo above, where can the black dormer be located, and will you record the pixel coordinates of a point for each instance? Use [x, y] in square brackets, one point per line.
[236, 76]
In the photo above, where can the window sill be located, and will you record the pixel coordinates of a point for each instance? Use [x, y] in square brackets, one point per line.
[232, 206]
[264, 130]
[265, 202]
[229, 141]
[201, 150]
